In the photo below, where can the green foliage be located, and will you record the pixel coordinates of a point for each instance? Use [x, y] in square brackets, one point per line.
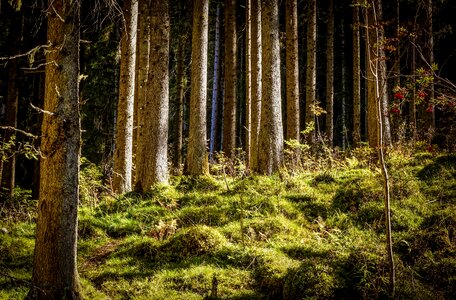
[317, 234]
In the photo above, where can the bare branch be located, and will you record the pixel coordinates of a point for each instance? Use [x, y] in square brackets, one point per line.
[42, 110]
[20, 131]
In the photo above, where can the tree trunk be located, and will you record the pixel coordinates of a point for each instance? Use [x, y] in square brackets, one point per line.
[356, 78]
[54, 266]
[371, 60]
[229, 111]
[292, 73]
[330, 74]
[270, 158]
[248, 80]
[142, 67]
[256, 82]
[216, 82]
[343, 79]
[197, 160]
[383, 74]
[152, 158]
[311, 70]
[179, 129]
[124, 129]
[8, 166]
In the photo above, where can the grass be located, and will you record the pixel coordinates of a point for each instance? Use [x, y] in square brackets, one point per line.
[316, 234]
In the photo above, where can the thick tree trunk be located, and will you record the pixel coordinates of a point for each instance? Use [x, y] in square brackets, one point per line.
[197, 160]
[371, 61]
[153, 127]
[356, 78]
[311, 70]
[142, 69]
[123, 154]
[216, 82]
[330, 74]
[270, 157]
[229, 111]
[256, 82]
[54, 266]
[292, 73]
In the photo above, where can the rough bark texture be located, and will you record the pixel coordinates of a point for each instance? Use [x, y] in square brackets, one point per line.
[343, 87]
[371, 62]
[54, 267]
[197, 160]
[356, 78]
[292, 73]
[229, 110]
[256, 82]
[124, 128]
[142, 69]
[330, 74]
[153, 127]
[216, 82]
[248, 80]
[270, 157]
[311, 70]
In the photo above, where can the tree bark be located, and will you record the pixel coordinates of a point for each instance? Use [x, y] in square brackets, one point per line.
[248, 81]
[216, 82]
[152, 158]
[229, 111]
[142, 67]
[124, 129]
[356, 78]
[256, 82]
[330, 74]
[179, 129]
[371, 59]
[311, 70]
[270, 158]
[55, 273]
[292, 73]
[197, 160]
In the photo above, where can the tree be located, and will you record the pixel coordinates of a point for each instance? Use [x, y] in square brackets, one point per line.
[248, 80]
[292, 73]
[356, 77]
[311, 69]
[197, 160]
[330, 74]
[124, 128]
[255, 81]
[142, 69]
[229, 110]
[216, 81]
[8, 166]
[152, 158]
[270, 157]
[55, 273]
[371, 39]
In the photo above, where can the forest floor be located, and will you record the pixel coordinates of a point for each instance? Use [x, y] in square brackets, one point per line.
[316, 234]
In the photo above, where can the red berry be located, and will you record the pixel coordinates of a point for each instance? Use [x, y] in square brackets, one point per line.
[398, 95]
[430, 109]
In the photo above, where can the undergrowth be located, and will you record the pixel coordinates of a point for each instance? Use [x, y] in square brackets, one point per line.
[316, 234]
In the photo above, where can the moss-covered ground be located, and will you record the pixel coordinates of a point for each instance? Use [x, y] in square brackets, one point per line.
[316, 234]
